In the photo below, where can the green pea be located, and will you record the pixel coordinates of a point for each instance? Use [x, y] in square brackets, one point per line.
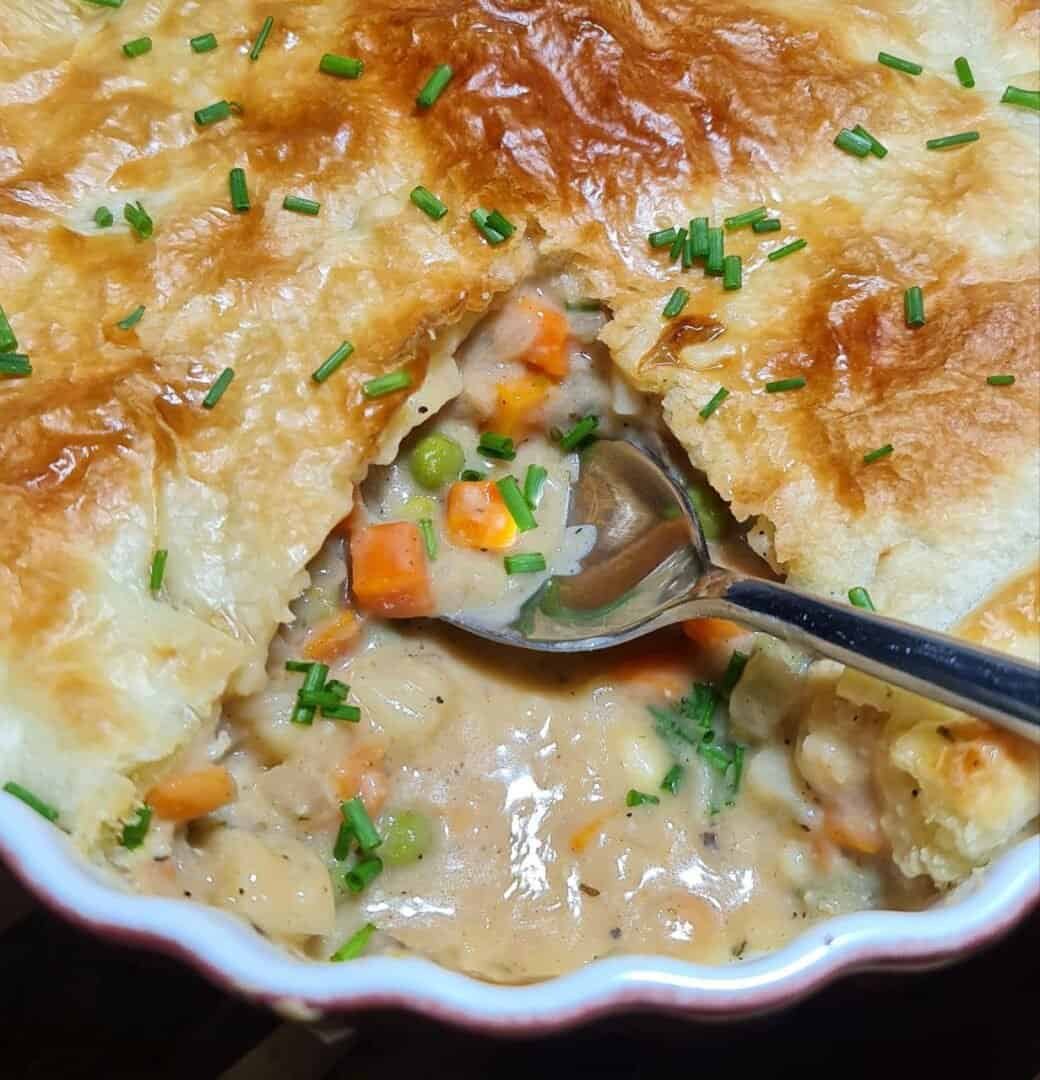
[712, 512]
[407, 836]
[435, 460]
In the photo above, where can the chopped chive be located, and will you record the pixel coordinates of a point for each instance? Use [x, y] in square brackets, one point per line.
[344, 839]
[584, 303]
[356, 816]
[480, 218]
[355, 945]
[716, 252]
[878, 454]
[501, 224]
[496, 446]
[8, 341]
[135, 831]
[530, 563]
[717, 399]
[313, 681]
[429, 537]
[131, 320]
[428, 203]
[15, 365]
[677, 245]
[138, 219]
[771, 224]
[363, 874]
[332, 362]
[516, 504]
[781, 386]
[964, 72]
[344, 67]
[434, 86]
[852, 143]
[859, 597]
[662, 238]
[387, 384]
[734, 669]
[239, 190]
[534, 482]
[103, 218]
[339, 689]
[27, 797]
[299, 665]
[204, 43]
[137, 47]
[212, 114]
[216, 391]
[639, 798]
[907, 66]
[261, 39]
[947, 141]
[158, 571]
[676, 302]
[350, 713]
[106, 3]
[299, 205]
[732, 272]
[319, 699]
[749, 217]
[687, 250]
[876, 148]
[1000, 380]
[913, 306]
[787, 249]
[699, 237]
[672, 780]
[579, 433]
[472, 475]
[1015, 95]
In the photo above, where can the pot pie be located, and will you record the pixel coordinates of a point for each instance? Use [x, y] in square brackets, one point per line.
[308, 313]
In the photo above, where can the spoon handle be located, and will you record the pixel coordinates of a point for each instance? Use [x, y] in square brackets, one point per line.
[978, 681]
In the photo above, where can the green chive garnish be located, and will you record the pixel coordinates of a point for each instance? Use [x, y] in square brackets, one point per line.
[344, 67]
[239, 190]
[472, 476]
[496, 446]
[481, 218]
[1015, 95]
[106, 3]
[212, 114]
[677, 245]
[434, 86]
[8, 341]
[732, 272]
[964, 73]
[261, 39]
[158, 571]
[203, 43]
[136, 830]
[15, 365]
[771, 224]
[137, 47]
[355, 945]
[907, 66]
[501, 224]
[428, 203]
[131, 320]
[299, 205]
[787, 249]
[579, 433]
[299, 665]
[387, 384]
[687, 250]
[350, 713]
[699, 237]
[27, 797]
[429, 537]
[1000, 380]
[672, 780]
[103, 217]
[639, 798]
[852, 143]
[338, 689]
[216, 391]
[362, 875]
[717, 399]
[662, 238]
[782, 386]
[676, 302]
[913, 306]
[859, 597]
[878, 454]
[356, 816]
[313, 682]
[516, 504]
[534, 482]
[716, 252]
[947, 141]
[584, 303]
[734, 669]
[749, 217]
[138, 219]
[531, 563]
[344, 839]
[332, 362]
[876, 148]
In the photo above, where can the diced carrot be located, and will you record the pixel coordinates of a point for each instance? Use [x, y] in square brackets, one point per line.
[581, 838]
[517, 403]
[660, 673]
[854, 832]
[388, 570]
[548, 349]
[711, 632]
[478, 517]
[334, 637]
[192, 795]
[361, 773]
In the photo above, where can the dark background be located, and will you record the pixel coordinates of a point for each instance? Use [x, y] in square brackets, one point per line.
[72, 1006]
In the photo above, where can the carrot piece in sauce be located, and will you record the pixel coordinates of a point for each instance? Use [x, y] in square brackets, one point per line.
[661, 673]
[334, 637]
[518, 403]
[711, 632]
[548, 349]
[192, 795]
[477, 516]
[388, 569]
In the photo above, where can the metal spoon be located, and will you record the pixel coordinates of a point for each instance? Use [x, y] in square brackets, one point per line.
[650, 567]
